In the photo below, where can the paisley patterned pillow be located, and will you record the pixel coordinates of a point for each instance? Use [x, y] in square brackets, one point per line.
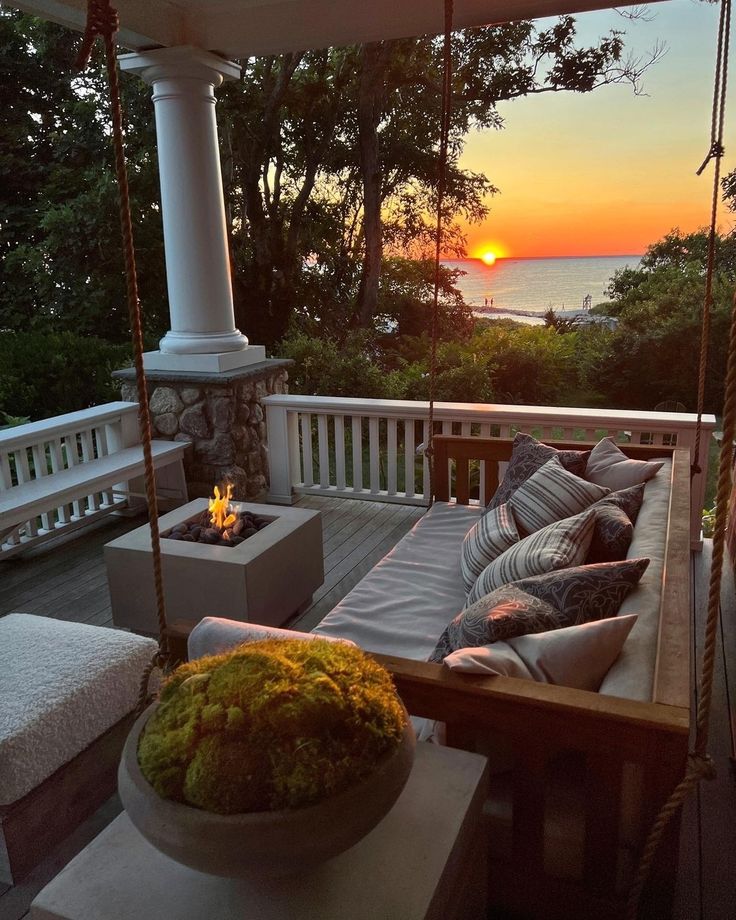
[527, 456]
[612, 535]
[586, 592]
[502, 614]
[628, 500]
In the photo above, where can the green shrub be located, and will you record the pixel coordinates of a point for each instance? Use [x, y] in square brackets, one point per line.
[49, 373]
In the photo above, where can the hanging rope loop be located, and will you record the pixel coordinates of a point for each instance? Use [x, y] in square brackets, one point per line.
[102, 21]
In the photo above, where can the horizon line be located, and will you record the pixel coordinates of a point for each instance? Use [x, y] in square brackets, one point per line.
[603, 255]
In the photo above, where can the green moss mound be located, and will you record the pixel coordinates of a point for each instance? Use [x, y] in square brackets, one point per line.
[274, 724]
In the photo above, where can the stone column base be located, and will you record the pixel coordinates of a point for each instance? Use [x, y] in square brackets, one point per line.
[221, 416]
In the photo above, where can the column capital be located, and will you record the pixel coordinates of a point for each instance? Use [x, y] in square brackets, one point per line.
[179, 61]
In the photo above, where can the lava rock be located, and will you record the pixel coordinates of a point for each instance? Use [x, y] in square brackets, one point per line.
[249, 532]
[236, 541]
[175, 535]
[181, 528]
[196, 531]
[209, 535]
[189, 538]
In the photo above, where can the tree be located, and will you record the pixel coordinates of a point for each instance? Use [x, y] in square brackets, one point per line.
[60, 253]
[654, 353]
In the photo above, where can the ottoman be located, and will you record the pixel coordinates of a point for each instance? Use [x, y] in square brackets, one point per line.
[68, 691]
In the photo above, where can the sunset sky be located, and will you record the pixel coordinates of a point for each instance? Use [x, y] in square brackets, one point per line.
[608, 173]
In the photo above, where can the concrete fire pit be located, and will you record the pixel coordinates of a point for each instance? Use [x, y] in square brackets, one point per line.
[266, 579]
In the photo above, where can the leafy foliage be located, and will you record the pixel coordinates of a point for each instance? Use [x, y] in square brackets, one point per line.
[49, 373]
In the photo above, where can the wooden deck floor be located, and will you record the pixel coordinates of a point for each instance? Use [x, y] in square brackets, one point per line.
[67, 580]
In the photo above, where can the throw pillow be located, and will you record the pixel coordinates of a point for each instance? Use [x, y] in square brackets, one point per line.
[628, 500]
[502, 614]
[587, 592]
[495, 532]
[574, 656]
[550, 495]
[527, 455]
[557, 546]
[612, 534]
[609, 466]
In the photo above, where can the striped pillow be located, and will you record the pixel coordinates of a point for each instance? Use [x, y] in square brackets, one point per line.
[557, 546]
[550, 495]
[494, 533]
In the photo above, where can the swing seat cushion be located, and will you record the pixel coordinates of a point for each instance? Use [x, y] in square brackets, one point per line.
[62, 685]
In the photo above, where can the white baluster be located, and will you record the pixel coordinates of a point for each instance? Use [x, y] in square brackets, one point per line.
[357, 453]
[391, 455]
[88, 453]
[340, 452]
[409, 457]
[307, 450]
[425, 462]
[40, 469]
[374, 454]
[324, 452]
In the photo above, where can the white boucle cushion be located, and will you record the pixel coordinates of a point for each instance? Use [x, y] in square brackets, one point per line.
[574, 656]
[550, 495]
[62, 685]
[609, 466]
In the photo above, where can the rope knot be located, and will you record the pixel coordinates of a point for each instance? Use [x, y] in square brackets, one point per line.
[102, 20]
[715, 153]
[702, 765]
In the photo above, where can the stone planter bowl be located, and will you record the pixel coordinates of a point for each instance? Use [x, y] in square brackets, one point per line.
[261, 843]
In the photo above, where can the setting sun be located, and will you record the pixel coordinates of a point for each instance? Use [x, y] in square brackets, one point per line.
[489, 258]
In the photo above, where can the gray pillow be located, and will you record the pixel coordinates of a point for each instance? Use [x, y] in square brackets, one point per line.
[628, 500]
[502, 614]
[612, 534]
[586, 592]
[527, 456]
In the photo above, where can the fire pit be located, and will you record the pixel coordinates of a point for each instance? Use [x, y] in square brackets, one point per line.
[223, 524]
[265, 577]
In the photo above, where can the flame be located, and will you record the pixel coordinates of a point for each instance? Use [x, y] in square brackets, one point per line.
[221, 514]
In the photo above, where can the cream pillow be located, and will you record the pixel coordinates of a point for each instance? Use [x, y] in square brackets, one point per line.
[608, 466]
[574, 656]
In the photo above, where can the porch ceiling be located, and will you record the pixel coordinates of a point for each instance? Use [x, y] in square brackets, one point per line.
[240, 28]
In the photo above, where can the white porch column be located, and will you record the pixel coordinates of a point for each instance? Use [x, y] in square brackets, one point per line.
[203, 336]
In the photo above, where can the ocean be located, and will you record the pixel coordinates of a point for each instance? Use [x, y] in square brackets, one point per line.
[535, 285]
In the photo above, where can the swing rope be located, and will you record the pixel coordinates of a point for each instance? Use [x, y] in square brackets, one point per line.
[103, 22]
[715, 152]
[441, 186]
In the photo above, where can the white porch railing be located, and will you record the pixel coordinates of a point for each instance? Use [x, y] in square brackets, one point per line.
[367, 448]
[38, 449]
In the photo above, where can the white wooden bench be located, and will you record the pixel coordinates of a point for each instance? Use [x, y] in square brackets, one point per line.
[60, 473]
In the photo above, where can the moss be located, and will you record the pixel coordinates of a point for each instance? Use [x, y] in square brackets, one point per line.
[274, 724]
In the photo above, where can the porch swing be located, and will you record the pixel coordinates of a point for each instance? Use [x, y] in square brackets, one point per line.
[411, 676]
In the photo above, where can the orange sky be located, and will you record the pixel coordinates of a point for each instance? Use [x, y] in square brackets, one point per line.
[607, 173]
